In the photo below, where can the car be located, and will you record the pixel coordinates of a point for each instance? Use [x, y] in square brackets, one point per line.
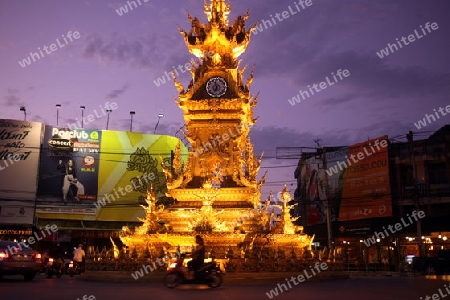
[19, 259]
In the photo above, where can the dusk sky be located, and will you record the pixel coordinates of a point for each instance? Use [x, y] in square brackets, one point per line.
[118, 59]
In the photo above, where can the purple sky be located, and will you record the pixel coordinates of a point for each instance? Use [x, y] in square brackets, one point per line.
[117, 58]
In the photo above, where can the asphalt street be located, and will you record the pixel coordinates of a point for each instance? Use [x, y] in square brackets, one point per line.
[360, 288]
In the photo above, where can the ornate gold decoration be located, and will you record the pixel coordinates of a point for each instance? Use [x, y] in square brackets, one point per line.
[217, 191]
[286, 224]
[153, 216]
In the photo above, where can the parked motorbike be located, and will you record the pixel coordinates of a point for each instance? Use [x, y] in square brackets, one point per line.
[208, 273]
[54, 267]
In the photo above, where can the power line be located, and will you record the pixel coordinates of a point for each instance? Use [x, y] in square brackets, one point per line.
[276, 167]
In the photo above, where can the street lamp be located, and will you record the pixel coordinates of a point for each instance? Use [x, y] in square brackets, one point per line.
[82, 115]
[22, 108]
[58, 106]
[107, 119]
[132, 113]
[159, 117]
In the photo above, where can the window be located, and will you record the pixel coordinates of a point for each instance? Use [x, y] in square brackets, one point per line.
[436, 174]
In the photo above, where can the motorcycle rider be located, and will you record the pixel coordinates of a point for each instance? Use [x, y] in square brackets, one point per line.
[78, 256]
[198, 257]
[57, 253]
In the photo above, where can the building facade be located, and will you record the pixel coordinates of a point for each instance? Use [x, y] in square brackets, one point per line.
[416, 179]
[88, 183]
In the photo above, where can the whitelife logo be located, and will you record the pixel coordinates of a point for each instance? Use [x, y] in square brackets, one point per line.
[318, 266]
[423, 122]
[411, 38]
[161, 262]
[85, 297]
[128, 189]
[360, 156]
[319, 87]
[283, 16]
[35, 56]
[182, 68]
[31, 240]
[124, 9]
[220, 140]
[92, 117]
[381, 235]
[439, 296]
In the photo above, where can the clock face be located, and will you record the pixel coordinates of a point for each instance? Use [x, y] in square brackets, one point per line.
[216, 87]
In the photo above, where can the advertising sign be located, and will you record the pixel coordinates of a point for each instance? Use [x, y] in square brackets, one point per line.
[20, 143]
[358, 177]
[355, 179]
[313, 189]
[366, 191]
[131, 165]
[16, 212]
[69, 166]
[101, 175]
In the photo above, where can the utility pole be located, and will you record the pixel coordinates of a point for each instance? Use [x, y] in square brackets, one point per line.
[322, 153]
[303, 194]
[410, 138]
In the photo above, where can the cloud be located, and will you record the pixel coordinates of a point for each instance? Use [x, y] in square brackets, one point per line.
[116, 93]
[141, 52]
[372, 77]
[12, 98]
[335, 101]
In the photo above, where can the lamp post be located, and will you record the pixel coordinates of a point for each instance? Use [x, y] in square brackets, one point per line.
[157, 123]
[107, 119]
[82, 115]
[58, 106]
[22, 108]
[132, 113]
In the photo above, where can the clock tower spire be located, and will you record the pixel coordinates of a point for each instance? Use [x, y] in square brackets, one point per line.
[218, 112]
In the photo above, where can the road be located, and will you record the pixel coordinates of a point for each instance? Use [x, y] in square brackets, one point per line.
[357, 288]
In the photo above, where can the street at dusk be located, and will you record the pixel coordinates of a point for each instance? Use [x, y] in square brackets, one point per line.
[225, 149]
[355, 288]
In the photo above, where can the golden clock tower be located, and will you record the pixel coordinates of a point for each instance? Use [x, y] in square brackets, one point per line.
[218, 112]
[216, 188]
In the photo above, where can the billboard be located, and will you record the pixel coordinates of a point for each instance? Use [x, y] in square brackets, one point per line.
[131, 164]
[16, 212]
[361, 178]
[102, 175]
[353, 180]
[20, 143]
[69, 165]
[313, 190]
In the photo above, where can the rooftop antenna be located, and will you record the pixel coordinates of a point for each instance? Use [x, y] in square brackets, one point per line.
[317, 141]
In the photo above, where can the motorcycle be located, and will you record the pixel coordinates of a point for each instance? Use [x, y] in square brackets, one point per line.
[74, 268]
[54, 267]
[208, 273]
